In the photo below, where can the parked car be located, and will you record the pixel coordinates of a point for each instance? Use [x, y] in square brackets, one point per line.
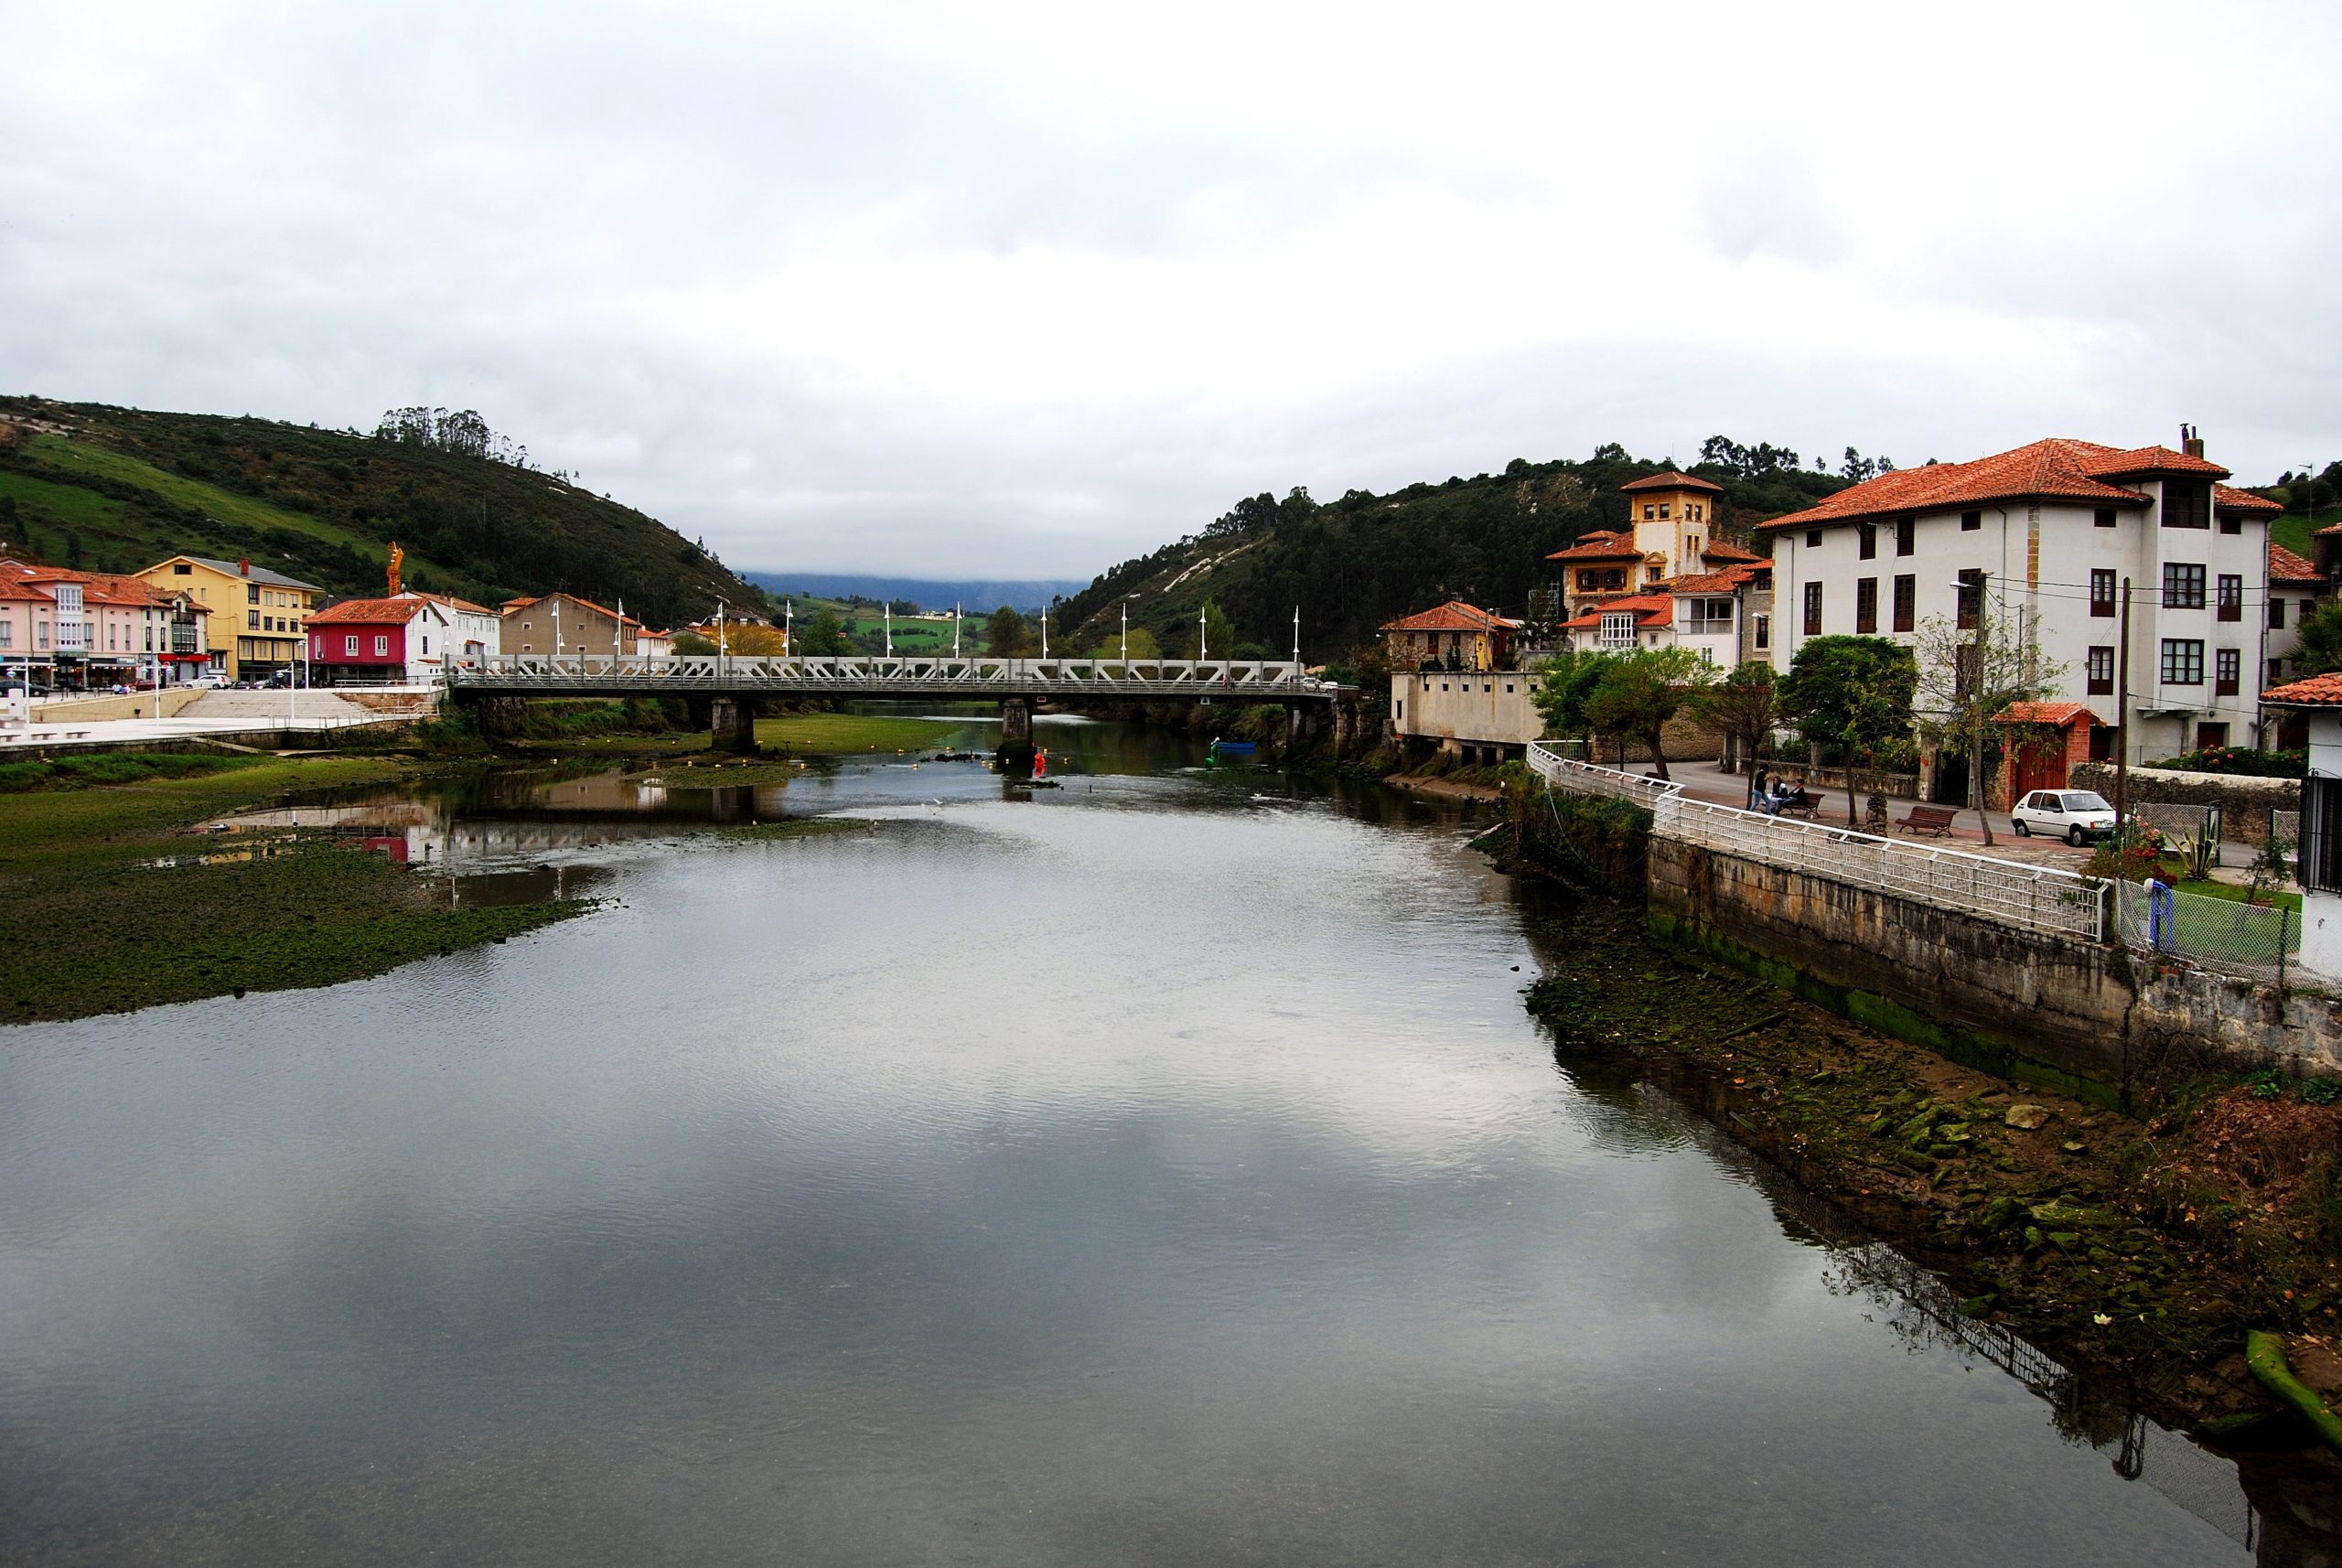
[2078, 816]
[209, 681]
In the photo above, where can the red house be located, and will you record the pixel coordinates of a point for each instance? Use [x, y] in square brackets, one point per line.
[398, 643]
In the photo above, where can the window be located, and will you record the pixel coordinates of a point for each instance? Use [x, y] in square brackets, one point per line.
[1969, 521]
[2104, 518]
[1709, 615]
[2276, 613]
[1662, 510]
[1813, 538]
[1617, 628]
[1866, 540]
[2183, 586]
[2319, 866]
[2183, 662]
[2225, 673]
[2101, 672]
[252, 592]
[7, 633]
[1649, 512]
[382, 645]
[1764, 632]
[1972, 596]
[2232, 596]
[2186, 503]
[2102, 591]
[1907, 533]
[182, 570]
[2231, 523]
[251, 620]
[426, 645]
[349, 645]
[1813, 609]
[1907, 602]
[1866, 603]
[2276, 671]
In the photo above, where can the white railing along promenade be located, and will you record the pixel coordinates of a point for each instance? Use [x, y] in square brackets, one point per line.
[2031, 897]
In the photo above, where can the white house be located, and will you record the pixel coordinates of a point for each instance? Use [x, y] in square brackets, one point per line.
[2054, 530]
[475, 632]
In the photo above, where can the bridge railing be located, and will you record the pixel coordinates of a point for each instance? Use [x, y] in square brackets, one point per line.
[924, 672]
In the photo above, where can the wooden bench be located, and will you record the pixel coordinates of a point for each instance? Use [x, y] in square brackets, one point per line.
[1934, 821]
[1810, 809]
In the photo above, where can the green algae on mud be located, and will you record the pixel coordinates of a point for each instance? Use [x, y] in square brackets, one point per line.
[2049, 1231]
[107, 904]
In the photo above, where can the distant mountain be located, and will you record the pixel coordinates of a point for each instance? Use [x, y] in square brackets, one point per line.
[973, 593]
[116, 489]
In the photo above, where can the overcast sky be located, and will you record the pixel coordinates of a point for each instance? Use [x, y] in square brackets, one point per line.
[1019, 291]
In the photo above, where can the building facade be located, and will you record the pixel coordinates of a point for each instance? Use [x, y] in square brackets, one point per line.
[1726, 615]
[1670, 533]
[78, 630]
[1455, 635]
[253, 629]
[565, 623]
[404, 641]
[2052, 532]
[2316, 702]
[475, 633]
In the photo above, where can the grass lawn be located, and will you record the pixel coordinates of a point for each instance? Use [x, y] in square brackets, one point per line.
[90, 923]
[847, 735]
[2235, 893]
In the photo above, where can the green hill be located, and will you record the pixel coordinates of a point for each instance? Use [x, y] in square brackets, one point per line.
[107, 488]
[1353, 564]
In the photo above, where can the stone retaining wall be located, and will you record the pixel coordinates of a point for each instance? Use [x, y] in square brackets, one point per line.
[2245, 804]
[2075, 1015]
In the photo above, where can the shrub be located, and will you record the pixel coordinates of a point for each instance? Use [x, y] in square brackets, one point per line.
[2240, 762]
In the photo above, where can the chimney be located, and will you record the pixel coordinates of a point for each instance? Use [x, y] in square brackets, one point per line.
[2190, 442]
[245, 567]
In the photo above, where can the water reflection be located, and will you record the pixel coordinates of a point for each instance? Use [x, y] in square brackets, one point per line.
[1161, 1170]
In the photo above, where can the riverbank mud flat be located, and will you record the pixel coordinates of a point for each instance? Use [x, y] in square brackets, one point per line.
[2145, 1247]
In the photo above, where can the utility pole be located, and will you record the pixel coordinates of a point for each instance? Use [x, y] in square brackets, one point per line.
[2123, 717]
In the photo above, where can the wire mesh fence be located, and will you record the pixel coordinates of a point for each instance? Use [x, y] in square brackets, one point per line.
[2255, 942]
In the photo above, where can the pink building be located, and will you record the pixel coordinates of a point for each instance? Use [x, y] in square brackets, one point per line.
[80, 630]
[399, 641]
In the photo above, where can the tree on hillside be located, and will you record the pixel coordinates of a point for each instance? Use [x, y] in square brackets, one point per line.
[825, 638]
[1140, 645]
[751, 640]
[2319, 649]
[1744, 707]
[1219, 634]
[1851, 692]
[1008, 634]
[692, 644]
[1956, 702]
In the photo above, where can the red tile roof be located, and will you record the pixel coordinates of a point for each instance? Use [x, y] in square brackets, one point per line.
[2057, 714]
[2284, 566]
[2053, 469]
[1453, 616]
[2316, 691]
[1717, 550]
[511, 604]
[1650, 610]
[396, 612]
[1725, 581]
[1601, 546]
[2228, 498]
[1672, 479]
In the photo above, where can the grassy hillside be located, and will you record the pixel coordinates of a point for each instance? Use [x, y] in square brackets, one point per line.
[1353, 563]
[117, 490]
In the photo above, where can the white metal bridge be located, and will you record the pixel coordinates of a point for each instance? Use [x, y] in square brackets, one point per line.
[945, 677]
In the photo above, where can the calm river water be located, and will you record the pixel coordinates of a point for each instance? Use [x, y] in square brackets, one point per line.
[1157, 1170]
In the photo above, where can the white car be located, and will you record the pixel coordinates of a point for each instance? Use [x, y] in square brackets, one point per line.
[2077, 816]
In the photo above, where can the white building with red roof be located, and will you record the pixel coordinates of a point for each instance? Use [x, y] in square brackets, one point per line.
[1454, 680]
[2315, 704]
[2052, 531]
[1670, 533]
[87, 629]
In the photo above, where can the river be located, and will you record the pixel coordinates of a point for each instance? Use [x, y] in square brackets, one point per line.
[1157, 1169]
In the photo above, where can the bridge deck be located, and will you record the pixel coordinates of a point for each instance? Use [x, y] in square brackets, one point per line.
[962, 679]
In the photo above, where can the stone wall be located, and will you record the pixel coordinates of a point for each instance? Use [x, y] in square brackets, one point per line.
[2034, 1008]
[138, 705]
[1682, 737]
[2245, 804]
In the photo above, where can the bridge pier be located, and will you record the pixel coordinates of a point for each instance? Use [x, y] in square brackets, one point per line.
[732, 724]
[1016, 753]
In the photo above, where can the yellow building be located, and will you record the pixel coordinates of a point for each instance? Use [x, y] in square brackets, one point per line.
[257, 616]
